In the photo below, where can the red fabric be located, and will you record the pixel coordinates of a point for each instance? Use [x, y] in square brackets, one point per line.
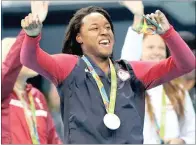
[8, 67]
[57, 67]
[53, 67]
[14, 127]
[181, 61]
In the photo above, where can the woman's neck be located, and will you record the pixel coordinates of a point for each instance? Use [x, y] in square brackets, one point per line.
[20, 84]
[102, 63]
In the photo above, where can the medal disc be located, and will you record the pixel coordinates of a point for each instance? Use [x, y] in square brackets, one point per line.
[111, 121]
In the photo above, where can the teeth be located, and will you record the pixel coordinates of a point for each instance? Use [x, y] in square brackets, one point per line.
[104, 41]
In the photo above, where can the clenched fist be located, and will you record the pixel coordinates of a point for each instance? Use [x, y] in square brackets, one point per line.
[159, 18]
[31, 25]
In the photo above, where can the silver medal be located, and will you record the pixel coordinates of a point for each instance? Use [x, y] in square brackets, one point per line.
[111, 121]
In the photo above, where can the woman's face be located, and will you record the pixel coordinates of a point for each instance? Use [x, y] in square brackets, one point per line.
[96, 36]
[154, 48]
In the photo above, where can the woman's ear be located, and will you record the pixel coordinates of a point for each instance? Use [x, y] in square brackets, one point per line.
[79, 38]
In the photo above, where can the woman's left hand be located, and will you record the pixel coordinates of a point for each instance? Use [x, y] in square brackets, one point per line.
[160, 19]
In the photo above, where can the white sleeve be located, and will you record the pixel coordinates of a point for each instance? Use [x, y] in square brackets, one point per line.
[132, 48]
[187, 124]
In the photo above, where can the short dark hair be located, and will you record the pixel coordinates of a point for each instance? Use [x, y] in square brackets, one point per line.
[71, 46]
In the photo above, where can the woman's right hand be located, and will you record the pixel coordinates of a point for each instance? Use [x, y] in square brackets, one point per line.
[40, 8]
[137, 8]
[31, 25]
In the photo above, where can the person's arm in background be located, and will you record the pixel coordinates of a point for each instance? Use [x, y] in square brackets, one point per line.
[187, 123]
[132, 48]
[11, 65]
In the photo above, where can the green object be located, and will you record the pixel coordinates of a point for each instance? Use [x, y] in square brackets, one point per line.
[109, 104]
[152, 22]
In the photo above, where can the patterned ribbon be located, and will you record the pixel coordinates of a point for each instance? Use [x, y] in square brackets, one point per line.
[145, 28]
[31, 118]
[109, 105]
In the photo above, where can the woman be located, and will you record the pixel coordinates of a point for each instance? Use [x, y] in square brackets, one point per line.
[85, 75]
[17, 101]
[177, 123]
[25, 115]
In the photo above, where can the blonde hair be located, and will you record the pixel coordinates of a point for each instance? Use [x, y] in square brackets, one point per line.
[6, 46]
[175, 93]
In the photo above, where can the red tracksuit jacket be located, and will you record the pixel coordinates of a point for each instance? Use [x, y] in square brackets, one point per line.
[14, 126]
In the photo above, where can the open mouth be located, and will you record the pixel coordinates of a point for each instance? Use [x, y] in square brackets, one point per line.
[156, 58]
[104, 42]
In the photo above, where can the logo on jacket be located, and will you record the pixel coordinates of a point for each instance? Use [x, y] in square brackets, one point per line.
[86, 70]
[123, 75]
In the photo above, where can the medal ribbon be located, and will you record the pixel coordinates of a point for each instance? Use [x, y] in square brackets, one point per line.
[31, 121]
[109, 105]
[144, 28]
[161, 130]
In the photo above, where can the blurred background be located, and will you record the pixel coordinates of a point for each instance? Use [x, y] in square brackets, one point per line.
[181, 14]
